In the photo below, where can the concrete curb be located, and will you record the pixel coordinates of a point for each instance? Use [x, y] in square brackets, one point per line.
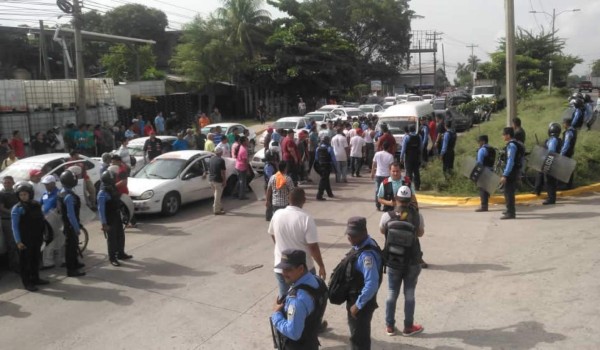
[521, 198]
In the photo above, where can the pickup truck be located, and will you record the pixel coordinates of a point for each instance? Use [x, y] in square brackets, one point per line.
[585, 85]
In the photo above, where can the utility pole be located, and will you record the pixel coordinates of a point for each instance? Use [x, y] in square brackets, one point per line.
[420, 73]
[44, 51]
[435, 35]
[444, 64]
[472, 46]
[81, 108]
[511, 87]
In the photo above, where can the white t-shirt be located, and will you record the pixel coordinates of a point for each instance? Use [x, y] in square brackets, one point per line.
[293, 228]
[124, 154]
[339, 144]
[225, 148]
[383, 160]
[356, 145]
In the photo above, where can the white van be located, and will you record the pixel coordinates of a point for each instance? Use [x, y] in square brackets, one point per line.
[399, 117]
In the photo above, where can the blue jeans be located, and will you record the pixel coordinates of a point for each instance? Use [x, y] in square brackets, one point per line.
[284, 287]
[378, 181]
[242, 183]
[341, 171]
[395, 278]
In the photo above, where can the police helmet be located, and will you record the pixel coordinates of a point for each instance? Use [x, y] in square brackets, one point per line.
[404, 193]
[554, 129]
[68, 179]
[75, 169]
[23, 186]
[587, 98]
[578, 102]
[108, 178]
[384, 127]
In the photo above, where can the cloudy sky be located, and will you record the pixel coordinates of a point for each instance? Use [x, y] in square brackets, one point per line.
[463, 22]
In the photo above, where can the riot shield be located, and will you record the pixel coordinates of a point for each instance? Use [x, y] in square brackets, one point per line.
[550, 163]
[482, 176]
[258, 187]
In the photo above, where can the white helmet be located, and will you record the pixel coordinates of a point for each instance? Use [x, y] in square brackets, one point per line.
[404, 193]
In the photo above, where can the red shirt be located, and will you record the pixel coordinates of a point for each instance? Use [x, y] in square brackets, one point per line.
[432, 130]
[122, 179]
[386, 137]
[18, 146]
[287, 147]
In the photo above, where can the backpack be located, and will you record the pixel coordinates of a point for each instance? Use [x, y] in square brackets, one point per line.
[342, 279]
[323, 156]
[400, 240]
[414, 144]
[490, 159]
[319, 295]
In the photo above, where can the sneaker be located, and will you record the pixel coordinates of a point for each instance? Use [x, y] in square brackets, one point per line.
[115, 262]
[31, 288]
[415, 329]
[390, 330]
[507, 217]
[124, 256]
[222, 212]
[321, 199]
[481, 210]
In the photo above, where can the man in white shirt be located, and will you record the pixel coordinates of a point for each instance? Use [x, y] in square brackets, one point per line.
[123, 152]
[381, 168]
[294, 228]
[357, 151]
[340, 149]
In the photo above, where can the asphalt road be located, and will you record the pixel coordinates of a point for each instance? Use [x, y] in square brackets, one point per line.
[199, 281]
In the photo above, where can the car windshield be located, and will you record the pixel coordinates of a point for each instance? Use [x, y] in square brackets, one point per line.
[484, 90]
[326, 109]
[284, 125]
[20, 170]
[367, 109]
[135, 151]
[439, 104]
[414, 98]
[164, 168]
[316, 117]
[397, 126]
[354, 113]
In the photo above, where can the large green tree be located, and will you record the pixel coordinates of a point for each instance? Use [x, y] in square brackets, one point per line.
[135, 20]
[244, 24]
[596, 68]
[121, 63]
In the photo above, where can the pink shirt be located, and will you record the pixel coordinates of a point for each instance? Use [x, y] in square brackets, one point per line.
[241, 161]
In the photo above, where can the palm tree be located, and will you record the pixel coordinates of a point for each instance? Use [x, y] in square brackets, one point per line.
[473, 62]
[242, 21]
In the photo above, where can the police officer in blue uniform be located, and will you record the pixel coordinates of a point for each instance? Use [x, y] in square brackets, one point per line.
[362, 299]
[512, 169]
[447, 152]
[297, 317]
[28, 229]
[411, 155]
[579, 113]
[552, 144]
[486, 156]
[424, 133]
[569, 141]
[325, 159]
[109, 200]
[69, 204]
[49, 204]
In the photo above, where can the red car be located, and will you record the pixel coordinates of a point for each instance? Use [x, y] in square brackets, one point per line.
[585, 85]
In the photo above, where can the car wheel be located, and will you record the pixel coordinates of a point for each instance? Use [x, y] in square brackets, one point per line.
[171, 204]
[230, 186]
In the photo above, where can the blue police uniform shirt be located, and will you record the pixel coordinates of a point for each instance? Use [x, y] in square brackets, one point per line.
[589, 111]
[49, 201]
[15, 216]
[425, 139]
[569, 135]
[576, 116]
[405, 143]
[445, 142]
[481, 154]
[368, 264]
[296, 309]
[70, 204]
[329, 149]
[102, 198]
[511, 153]
[552, 144]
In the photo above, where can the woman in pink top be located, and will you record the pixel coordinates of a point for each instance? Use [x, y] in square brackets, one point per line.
[242, 167]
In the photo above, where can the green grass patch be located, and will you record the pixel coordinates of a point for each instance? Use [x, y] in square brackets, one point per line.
[536, 114]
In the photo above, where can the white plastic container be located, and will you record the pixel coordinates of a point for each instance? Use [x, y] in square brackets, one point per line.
[63, 93]
[37, 94]
[12, 96]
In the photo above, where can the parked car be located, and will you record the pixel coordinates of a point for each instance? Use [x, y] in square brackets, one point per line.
[328, 108]
[320, 117]
[55, 164]
[399, 117]
[297, 123]
[344, 113]
[428, 97]
[414, 98]
[227, 128]
[174, 179]
[136, 149]
[388, 104]
[585, 85]
[374, 109]
[460, 121]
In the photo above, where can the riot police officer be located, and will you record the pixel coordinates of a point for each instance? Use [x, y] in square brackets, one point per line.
[514, 159]
[298, 317]
[28, 228]
[447, 151]
[325, 159]
[109, 200]
[70, 204]
[569, 141]
[579, 113]
[552, 144]
[486, 156]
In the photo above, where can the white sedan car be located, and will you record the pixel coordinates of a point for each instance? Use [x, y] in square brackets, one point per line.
[174, 179]
[228, 128]
[296, 123]
[348, 112]
[136, 149]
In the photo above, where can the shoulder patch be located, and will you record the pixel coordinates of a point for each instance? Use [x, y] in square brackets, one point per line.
[368, 261]
[291, 311]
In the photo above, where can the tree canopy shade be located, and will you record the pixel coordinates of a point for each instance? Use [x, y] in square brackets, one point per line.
[137, 21]
[120, 63]
[244, 24]
[596, 68]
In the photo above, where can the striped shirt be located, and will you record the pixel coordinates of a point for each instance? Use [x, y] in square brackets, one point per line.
[280, 196]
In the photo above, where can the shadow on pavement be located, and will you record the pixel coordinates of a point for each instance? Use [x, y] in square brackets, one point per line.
[85, 293]
[155, 229]
[377, 344]
[13, 310]
[468, 268]
[527, 272]
[521, 336]
[554, 216]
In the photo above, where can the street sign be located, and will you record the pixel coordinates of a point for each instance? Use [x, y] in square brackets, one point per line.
[376, 85]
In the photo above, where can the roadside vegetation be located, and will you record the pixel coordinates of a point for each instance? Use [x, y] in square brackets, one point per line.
[536, 113]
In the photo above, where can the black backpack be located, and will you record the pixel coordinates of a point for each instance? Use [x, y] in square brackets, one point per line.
[490, 159]
[400, 240]
[342, 279]
[414, 143]
[323, 156]
[319, 295]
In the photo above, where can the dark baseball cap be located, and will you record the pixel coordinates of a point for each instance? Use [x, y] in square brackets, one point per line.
[291, 258]
[357, 226]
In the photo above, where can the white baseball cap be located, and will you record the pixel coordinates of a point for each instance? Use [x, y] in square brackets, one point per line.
[404, 192]
[48, 179]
